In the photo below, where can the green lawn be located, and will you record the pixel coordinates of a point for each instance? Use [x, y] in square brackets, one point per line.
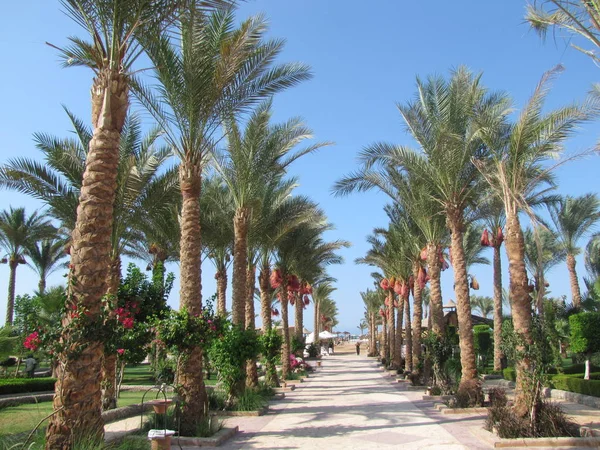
[22, 418]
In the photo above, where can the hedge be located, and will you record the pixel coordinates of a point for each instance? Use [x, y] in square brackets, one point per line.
[24, 385]
[510, 374]
[574, 369]
[573, 384]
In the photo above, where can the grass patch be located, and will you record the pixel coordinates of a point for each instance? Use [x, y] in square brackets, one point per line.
[23, 418]
[37, 443]
[143, 375]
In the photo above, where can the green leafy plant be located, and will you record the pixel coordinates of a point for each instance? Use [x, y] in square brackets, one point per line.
[271, 342]
[226, 353]
[584, 336]
[250, 400]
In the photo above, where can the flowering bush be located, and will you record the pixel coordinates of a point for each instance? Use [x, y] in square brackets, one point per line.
[298, 365]
[32, 342]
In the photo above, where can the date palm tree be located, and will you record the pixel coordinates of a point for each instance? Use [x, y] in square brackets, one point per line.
[515, 173]
[18, 231]
[246, 165]
[577, 17]
[322, 291]
[574, 218]
[113, 28]
[206, 68]
[447, 119]
[484, 304]
[46, 257]
[543, 251]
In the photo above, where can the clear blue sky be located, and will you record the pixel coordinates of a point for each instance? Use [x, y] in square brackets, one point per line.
[364, 58]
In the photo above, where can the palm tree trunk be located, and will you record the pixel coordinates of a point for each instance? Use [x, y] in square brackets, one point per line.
[498, 355]
[77, 390]
[417, 317]
[12, 278]
[298, 317]
[221, 277]
[192, 391]
[42, 285]
[285, 348]
[265, 297]
[391, 328]
[435, 294]
[241, 222]
[398, 341]
[251, 372]
[463, 304]
[520, 303]
[384, 351]
[575, 292]
[408, 360]
[109, 361]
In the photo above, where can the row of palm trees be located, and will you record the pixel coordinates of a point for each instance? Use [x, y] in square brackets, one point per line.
[114, 195]
[472, 162]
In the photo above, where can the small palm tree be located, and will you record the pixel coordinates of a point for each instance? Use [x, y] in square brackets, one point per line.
[574, 218]
[46, 258]
[484, 304]
[18, 231]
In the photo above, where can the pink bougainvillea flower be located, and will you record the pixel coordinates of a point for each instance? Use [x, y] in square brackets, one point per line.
[120, 351]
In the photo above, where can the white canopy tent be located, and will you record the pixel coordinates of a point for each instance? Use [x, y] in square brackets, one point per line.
[322, 335]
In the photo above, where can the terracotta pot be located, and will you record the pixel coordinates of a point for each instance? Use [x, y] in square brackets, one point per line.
[161, 443]
[160, 406]
[318, 363]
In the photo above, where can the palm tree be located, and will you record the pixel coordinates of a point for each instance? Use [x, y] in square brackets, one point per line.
[542, 252]
[321, 294]
[373, 301]
[113, 28]
[246, 165]
[447, 119]
[515, 173]
[211, 70]
[45, 258]
[18, 231]
[579, 17]
[484, 304]
[574, 217]
[492, 211]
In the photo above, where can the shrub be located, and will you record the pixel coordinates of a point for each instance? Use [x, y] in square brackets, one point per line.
[574, 369]
[510, 374]
[23, 385]
[312, 350]
[250, 400]
[497, 397]
[578, 385]
[468, 395]
[551, 421]
[297, 346]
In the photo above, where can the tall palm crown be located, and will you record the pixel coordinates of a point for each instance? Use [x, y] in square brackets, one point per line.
[247, 165]
[485, 305]
[18, 231]
[573, 218]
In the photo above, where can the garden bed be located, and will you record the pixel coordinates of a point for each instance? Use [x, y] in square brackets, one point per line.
[559, 442]
[258, 412]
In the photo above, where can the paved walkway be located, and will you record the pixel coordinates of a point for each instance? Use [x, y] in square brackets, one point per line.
[351, 404]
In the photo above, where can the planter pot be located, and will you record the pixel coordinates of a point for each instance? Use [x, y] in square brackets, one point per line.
[160, 439]
[318, 363]
[160, 406]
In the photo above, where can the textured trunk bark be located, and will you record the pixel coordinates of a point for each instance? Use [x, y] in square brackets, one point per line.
[435, 289]
[408, 361]
[298, 317]
[520, 302]
[42, 285]
[398, 341]
[251, 371]
[221, 277]
[391, 328]
[265, 297]
[575, 292]
[384, 345]
[417, 318]
[285, 348]
[12, 277]
[498, 355]
[77, 390]
[109, 361]
[192, 391]
[241, 221]
[463, 304]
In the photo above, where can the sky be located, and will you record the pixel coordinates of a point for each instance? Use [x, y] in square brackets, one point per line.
[365, 57]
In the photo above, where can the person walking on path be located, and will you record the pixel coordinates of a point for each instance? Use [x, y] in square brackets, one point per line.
[358, 347]
[30, 364]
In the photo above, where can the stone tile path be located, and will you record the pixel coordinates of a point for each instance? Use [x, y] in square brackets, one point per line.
[351, 404]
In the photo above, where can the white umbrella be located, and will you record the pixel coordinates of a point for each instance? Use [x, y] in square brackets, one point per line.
[310, 338]
[326, 335]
